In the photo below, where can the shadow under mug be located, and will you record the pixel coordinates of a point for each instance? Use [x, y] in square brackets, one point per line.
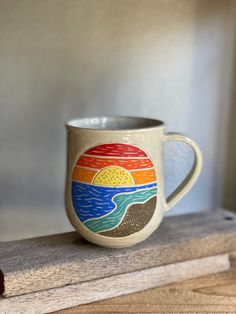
[115, 182]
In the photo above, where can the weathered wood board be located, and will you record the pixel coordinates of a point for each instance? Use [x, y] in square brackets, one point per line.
[214, 293]
[90, 291]
[54, 261]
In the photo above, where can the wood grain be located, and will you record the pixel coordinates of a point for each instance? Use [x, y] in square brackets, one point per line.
[54, 261]
[86, 292]
[209, 294]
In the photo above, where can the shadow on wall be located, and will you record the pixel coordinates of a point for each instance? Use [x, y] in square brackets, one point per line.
[211, 104]
[229, 187]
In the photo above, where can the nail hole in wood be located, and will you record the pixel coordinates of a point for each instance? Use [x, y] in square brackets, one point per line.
[228, 218]
[2, 288]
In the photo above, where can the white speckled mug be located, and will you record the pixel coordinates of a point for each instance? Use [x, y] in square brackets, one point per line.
[115, 187]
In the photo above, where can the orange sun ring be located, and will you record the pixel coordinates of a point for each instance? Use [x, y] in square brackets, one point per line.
[86, 175]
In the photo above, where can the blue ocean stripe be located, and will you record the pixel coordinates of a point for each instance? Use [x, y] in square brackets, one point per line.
[90, 201]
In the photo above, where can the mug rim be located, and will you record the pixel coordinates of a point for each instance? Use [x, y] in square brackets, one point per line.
[78, 123]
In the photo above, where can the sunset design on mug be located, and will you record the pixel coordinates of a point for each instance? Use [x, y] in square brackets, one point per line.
[114, 189]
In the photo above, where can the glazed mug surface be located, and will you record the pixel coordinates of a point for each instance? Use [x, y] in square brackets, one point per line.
[115, 183]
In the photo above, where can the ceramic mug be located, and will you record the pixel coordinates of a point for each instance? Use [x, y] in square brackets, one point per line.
[114, 186]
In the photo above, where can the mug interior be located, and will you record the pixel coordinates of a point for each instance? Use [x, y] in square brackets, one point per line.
[114, 123]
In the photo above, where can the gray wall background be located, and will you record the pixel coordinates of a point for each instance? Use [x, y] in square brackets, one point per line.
[61, 59]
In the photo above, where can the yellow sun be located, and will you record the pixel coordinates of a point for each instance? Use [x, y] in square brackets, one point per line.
[113, 176]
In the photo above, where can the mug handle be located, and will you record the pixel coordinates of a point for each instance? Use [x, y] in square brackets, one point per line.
[192, 176]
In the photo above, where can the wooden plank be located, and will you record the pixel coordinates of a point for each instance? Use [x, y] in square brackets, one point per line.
[54, 261]
[86, 292]
[209, 294]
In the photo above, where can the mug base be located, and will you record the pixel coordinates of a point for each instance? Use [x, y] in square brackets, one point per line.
[118, 243]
